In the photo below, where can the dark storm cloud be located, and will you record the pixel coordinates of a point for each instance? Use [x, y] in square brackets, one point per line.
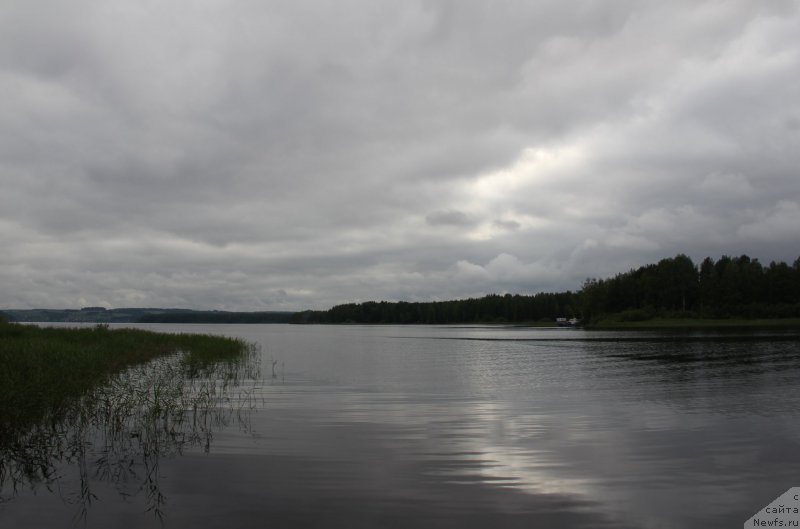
[289, 155]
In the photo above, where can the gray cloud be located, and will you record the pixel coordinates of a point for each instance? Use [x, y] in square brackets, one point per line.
[448, 218]
[510, 225]
[278, 155]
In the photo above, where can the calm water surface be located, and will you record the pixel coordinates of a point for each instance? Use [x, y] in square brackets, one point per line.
[412, 426]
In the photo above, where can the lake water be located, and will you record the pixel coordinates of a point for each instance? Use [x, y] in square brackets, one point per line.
[462, 427]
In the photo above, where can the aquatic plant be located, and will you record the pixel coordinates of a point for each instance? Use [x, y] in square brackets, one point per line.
[119, 411]
[42, 368]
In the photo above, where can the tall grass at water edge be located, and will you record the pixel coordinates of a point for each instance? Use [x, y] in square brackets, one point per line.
[82, 405]
[43, 369]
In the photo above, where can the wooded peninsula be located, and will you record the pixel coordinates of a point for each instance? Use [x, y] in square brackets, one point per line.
[730, 288]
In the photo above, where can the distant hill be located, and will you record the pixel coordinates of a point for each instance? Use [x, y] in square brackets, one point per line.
[217, 316]
[143, 315]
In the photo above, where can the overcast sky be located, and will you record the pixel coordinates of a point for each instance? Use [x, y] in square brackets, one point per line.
[268, 155]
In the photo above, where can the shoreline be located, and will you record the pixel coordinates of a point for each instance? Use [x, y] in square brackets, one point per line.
[697, 323]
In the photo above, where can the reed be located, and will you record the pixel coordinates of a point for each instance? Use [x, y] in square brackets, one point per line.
[43, 368]
[82, 405]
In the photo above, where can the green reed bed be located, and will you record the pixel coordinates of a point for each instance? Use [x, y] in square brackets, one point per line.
[45, 368]
[79, 406]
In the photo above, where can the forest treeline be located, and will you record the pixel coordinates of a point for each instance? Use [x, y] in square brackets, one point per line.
[730, 287]
[493, 308]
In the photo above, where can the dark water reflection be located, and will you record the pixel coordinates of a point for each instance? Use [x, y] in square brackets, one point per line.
[476, 427]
